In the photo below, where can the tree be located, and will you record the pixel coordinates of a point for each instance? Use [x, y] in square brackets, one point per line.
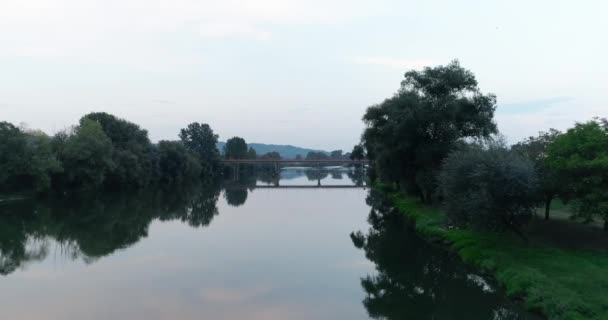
[200, 139]
[176, 164]
[408, 136]
[235, 148]
[27, 160]
[358, 153]
[134, 161]
[87, 156]
[488, 187]
[252, 154]
[579, 159]
[316, 155]
[535, 149]
[273, 155]
[336, 154]
[298, 156]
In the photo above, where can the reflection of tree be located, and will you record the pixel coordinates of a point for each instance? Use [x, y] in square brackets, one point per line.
[357, 177]
[416, 280]
[316, 174]
[336, 174]
[235, 196]
[91, 227]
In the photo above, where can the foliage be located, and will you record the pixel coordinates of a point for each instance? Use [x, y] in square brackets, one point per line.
[251, 154]
[200, 139]
[316, 155]
[133, 157]
[408, 136]
[488, 187]
[579, 158]
[176, 164]
[235, 148]
[26, 159]
[535, 149]
[336, 154]
[358, 153]
[86, 156]
[273, 155]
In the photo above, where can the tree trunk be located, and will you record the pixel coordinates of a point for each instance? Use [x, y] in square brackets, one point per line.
[548, 207]
[606, 225]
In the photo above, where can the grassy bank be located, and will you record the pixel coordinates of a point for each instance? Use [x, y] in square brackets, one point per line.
[562, 272]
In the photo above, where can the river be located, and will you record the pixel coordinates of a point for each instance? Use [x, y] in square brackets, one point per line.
[232, 252]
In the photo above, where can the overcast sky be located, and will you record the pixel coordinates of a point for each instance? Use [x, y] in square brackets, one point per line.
[293, 72]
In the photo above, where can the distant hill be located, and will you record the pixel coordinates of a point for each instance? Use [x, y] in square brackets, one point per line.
[286, 151]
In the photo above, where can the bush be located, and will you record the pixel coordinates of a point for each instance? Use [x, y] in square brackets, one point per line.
[488, 187]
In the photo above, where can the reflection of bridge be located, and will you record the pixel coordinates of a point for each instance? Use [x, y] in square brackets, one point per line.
[295, 161]
[278, 162]
[308, 186]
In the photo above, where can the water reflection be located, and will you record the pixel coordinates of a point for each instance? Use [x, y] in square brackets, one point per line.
[416, 280]
[90, 227]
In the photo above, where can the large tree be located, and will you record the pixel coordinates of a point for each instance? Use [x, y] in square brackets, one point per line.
[579, 158]
[535, 149]
[133, 157]
[235, 148]
[200, 139]
[408, 136]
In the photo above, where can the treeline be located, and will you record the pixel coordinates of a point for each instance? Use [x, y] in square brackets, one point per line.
[437, 138]
[103, 151]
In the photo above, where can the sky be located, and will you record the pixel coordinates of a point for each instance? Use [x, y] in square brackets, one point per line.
[298, 72]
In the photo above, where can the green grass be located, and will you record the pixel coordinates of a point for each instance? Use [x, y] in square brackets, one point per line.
[555, 273]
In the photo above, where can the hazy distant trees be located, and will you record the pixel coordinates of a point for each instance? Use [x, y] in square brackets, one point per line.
[251, 153]
[409, 135]
[200, 139]
[316, 155]
[336, 154]
[235, 148]
[273, 155]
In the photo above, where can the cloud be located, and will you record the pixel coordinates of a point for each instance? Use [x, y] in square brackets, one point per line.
[532, 105]
[221, 30]
[393, 63]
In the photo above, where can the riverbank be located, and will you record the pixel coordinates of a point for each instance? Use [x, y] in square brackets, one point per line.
[554, 274]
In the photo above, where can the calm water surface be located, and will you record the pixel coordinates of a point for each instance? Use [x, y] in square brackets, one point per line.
[232, 253]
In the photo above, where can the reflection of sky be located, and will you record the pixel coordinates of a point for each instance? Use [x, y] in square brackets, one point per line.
[284, 254]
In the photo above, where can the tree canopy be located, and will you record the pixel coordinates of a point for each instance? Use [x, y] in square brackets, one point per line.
[408, 135]
[488, 187]
[536, 149]
[579, 158]
[235, 148]
[200, 139]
